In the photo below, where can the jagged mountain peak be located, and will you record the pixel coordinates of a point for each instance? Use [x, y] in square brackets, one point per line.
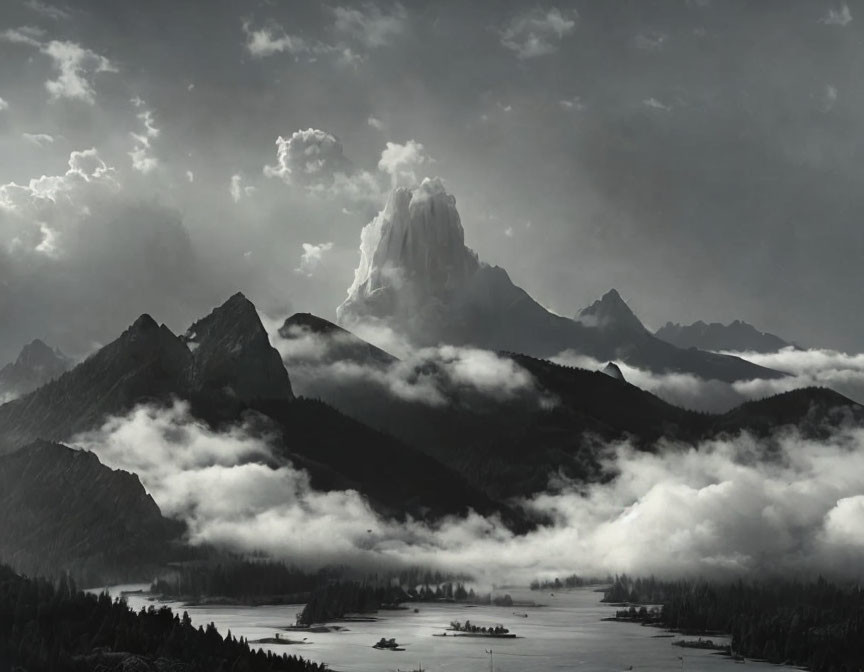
[417, 278]
[232, 353]
[413, 257]
[36, 364]
[35, 351]
[610, 312]
[143, 324]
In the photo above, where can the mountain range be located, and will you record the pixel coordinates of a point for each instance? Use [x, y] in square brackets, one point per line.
[225, 367]
[473, 421]
[474, 450]
[509, 447]
[736, 336]
[416, 276]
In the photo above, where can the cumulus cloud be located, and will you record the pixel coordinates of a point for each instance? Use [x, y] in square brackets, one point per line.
[263, 42]
[401, 162]
[718, 509]
[85, 167]
[314, 160]
[3, 105]
[311, 258]
[82, 225]
[308, 157]
[369, 24]
[375, 123]
[838, 16]
[75, 65]
[538, 32]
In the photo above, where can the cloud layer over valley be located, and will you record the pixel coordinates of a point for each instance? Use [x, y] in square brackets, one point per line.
[724, 508]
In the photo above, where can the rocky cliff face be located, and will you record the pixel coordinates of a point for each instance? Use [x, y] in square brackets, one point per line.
[35, 366]
[63, 510]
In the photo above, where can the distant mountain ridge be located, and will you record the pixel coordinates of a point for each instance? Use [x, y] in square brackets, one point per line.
[35, 365]
[417, 276]
[508, 448]
[736, 336]
[226, 368]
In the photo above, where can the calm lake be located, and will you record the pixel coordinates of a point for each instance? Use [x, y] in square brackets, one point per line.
[565, 634]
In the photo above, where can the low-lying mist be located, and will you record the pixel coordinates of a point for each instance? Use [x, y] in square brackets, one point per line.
[321, 365]
[806, 368]
[722, 508]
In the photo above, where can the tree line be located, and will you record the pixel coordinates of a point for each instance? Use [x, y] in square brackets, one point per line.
[247, 580]
[51, 626]
[815, 624]
[569, 582]
[336, 599]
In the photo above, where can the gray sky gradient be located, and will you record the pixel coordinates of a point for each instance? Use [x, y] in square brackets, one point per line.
[701, 156]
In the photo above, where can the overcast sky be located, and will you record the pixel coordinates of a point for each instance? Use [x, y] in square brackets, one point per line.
[701, 156]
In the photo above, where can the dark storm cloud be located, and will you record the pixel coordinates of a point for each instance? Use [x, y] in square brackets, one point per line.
[702, 157]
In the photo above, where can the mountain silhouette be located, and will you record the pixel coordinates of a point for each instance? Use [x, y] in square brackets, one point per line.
[736, 336]
[509, 447]
[35, 365]
[417, 276]
[226, 368]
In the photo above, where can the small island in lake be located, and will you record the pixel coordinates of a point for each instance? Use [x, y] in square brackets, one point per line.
[468, 629]
[387, 645]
